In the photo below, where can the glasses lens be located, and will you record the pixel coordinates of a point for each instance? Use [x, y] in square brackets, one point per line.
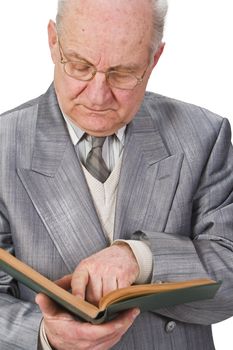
[79, 70]
[122, 80]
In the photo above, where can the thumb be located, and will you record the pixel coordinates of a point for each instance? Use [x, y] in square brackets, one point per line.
[48, 307]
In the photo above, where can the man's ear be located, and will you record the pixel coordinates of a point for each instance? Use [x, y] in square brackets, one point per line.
[158, 54]
[52, 39]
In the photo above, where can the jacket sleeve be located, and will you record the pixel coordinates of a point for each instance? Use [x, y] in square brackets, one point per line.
[208, 252]
[19, 320]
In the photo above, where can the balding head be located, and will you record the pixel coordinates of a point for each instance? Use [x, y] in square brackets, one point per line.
[112, 39]
[154, 14]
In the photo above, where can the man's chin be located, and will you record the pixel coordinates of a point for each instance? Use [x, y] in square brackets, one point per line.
[92, 125]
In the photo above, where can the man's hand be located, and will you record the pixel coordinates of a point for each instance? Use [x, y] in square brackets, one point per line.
[66, 333]
[111, 268]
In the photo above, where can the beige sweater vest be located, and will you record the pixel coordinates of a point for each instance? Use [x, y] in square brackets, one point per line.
[104, 198]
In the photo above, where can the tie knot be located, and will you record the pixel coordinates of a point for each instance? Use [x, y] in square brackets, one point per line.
[97, 141]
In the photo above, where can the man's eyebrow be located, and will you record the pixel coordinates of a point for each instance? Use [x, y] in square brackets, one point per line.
[77, 56]
[131, 67]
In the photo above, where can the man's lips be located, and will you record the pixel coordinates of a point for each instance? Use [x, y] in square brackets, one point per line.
[96, 110]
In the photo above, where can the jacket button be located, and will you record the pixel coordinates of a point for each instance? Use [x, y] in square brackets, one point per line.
[170, 326]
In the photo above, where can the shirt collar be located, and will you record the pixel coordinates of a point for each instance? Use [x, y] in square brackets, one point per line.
[76, 133]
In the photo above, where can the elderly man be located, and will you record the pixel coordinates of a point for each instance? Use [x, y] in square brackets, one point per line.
[103, 185]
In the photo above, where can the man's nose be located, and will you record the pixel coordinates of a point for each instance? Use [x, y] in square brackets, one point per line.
[99, 91]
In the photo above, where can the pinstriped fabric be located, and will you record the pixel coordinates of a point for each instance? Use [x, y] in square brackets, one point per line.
[95, 163]
[175, 187]
[153, 336]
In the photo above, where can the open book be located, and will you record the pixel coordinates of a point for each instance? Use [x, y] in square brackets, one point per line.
[146, 297]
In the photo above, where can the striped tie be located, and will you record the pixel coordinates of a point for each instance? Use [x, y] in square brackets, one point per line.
[95, 163]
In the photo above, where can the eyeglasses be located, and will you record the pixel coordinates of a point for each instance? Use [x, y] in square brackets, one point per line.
[81, 70]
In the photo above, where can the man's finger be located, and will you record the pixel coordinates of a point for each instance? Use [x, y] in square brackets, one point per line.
[112, 328]
[65, 282]
[80, 279]
[109, 284]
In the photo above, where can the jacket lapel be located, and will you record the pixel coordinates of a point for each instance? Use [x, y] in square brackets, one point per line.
[148, 179]
[58, 189]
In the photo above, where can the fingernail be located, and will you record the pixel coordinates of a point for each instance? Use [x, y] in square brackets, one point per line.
[136, 313]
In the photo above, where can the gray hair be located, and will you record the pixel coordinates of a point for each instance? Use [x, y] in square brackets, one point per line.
[159, 8]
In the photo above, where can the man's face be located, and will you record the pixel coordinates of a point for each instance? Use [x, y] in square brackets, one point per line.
[108, 37]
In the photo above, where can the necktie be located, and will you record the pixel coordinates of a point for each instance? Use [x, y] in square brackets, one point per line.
[95, 163]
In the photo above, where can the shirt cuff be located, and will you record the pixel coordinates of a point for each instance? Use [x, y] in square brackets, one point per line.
[144, 259]
[43, 340]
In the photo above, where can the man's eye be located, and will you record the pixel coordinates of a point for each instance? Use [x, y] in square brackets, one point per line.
[120, 75]
[81, 67]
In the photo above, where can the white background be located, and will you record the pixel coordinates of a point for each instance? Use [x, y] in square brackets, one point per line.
[196, 65]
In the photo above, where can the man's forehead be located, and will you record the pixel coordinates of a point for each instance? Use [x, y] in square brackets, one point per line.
[81, 5]
[117, 14]
[114, 29]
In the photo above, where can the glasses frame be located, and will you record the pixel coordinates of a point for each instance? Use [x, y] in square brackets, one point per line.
[139, 80]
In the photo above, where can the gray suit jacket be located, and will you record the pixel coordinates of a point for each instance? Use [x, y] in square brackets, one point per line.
[175, 191]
